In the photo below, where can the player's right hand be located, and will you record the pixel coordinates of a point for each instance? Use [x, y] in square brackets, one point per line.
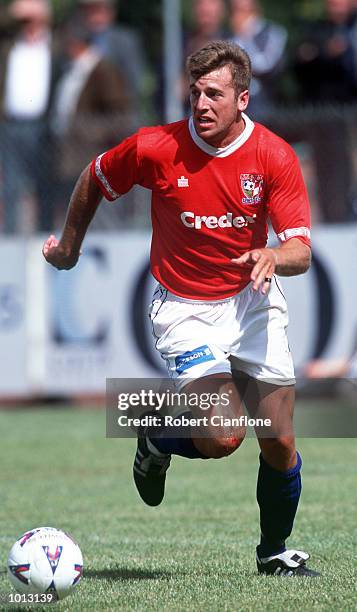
[59, 256]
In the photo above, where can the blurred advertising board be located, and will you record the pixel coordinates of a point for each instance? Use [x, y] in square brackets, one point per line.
[13, 323]
[64, 333]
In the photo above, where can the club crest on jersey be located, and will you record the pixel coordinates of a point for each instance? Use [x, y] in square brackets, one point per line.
[252, 186]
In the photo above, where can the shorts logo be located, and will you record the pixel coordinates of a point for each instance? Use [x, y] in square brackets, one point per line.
[191, 358]
[252, 186]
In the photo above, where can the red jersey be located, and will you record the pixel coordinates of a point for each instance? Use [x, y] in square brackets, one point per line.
[208, 205]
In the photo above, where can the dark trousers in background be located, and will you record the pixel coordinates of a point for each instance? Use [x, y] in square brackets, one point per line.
[326, 130]
[26, 164]
[333, 163]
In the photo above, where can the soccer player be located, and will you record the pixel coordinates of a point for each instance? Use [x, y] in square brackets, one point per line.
[219, 315]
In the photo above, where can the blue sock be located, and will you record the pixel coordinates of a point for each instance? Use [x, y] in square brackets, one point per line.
[278, 495]
[182, 445]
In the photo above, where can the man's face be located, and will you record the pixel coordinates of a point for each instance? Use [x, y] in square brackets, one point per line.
[98, 15]
[209, 14]
[338, 10]
[216, 109]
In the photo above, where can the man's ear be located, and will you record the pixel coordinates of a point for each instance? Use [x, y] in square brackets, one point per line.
[243, 100]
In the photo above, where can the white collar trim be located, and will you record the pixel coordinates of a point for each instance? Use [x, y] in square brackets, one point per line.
[223, 151]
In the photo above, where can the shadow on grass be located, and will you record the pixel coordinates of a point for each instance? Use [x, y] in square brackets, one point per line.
[124, 573]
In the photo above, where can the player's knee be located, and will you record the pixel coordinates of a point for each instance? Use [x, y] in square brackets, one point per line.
[285, 446]
[279, 452]
[223, 446]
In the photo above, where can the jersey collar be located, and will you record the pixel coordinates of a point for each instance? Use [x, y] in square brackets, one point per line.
[223, 151]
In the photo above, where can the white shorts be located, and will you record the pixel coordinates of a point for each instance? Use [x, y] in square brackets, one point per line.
[246, 332]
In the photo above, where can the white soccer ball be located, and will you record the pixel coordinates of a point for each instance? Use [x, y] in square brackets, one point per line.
[45, 560]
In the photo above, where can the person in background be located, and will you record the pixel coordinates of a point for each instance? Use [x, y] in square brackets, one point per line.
[326, 57]
[326, 71]
[342, 367]
[208, 25]
[265, 43]
[91, 109]
[332, 368]
[332, 376]
[120, 45]
[27, 76]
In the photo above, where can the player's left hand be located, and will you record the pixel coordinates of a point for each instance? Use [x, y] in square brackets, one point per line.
[263, 263]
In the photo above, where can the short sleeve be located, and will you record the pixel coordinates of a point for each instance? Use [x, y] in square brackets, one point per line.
[117, 170]
[288, 203]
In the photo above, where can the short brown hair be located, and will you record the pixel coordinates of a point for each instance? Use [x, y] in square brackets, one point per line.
[218, 54]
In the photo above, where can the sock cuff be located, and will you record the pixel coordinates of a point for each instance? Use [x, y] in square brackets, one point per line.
[288, 474]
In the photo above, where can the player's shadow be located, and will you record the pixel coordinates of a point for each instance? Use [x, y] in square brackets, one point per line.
[124, 573]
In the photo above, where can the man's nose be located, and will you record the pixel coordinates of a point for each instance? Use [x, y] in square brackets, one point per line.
[202, 101]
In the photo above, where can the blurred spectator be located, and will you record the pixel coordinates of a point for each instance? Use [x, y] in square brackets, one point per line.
[208, 24]
[326, 58]
[332, 378]
[27, 76]
[90, 111]
[337, 368]
[265, 43]
[120, 45]
[326, 69]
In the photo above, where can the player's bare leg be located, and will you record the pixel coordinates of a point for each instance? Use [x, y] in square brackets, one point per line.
[212, 440]
[279, 480]
[274, 402]
[205, 440]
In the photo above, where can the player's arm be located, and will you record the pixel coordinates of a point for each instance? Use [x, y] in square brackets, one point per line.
[63, 254]
[293, 257]
[110, 175]
[289, 212]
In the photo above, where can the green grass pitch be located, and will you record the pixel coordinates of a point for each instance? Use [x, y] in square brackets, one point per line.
[194, 552]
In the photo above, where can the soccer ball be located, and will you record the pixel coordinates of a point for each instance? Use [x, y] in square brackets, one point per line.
[45, 560]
